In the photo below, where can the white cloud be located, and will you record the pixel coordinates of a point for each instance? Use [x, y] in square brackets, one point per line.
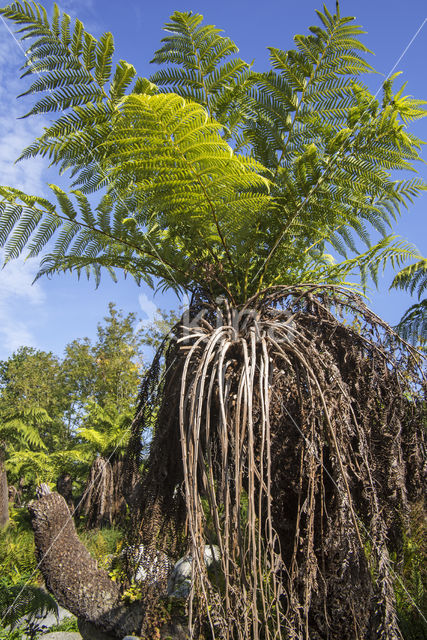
[16, 134]
[14, 334]
[148, 307]
[16, 281]
[19, 299]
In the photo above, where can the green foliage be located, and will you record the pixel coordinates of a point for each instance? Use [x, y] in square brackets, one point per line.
[67, 624]
[411, 587]
[107, 431]
[182, 204]
[90, 393]
[153, 333]
[413, 324]
[20, 437]
[102, 544]
[107, 371]
[29, 600]
[17, 553]
[31, 381]
[73, 65]
[12, 634]
[412, 278]
[22, 428]
[201, 66]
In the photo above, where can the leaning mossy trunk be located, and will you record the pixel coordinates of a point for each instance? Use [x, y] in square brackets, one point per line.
[71, 574]
[289, 433]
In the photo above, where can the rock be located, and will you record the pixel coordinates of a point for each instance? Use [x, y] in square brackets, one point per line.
[90, 632]
[61, 635]
[179, 582]
[131, 638]
[48, 620]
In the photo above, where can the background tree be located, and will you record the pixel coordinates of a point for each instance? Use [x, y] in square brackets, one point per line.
[241, 188]
[106, 372]
[33, 378]
[89, 396]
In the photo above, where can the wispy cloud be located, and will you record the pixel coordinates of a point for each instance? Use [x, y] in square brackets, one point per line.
[148, 307]
[20, 301]
[16, 134]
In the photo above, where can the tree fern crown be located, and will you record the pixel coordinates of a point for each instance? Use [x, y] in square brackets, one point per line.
[212, 177]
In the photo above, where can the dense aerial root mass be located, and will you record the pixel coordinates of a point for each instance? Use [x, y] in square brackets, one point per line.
[289, 433]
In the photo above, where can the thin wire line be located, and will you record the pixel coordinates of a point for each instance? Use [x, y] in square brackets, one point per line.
[408, 46]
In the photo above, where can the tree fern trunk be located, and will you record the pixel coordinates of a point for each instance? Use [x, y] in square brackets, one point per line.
[72, 575]
[97, 503]
[4, 492]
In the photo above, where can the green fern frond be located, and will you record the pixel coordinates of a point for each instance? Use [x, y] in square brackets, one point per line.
[195, 55]
[413, 324]
[23, 427]
[180, 205]
[412, 278]
[73, 69]
[390, 250]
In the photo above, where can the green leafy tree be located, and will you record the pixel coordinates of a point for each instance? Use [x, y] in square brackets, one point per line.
[105, 375]
[239, 188]
[107, 371]
[33, 378]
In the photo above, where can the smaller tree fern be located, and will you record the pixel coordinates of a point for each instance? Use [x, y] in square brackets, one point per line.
[105, 431]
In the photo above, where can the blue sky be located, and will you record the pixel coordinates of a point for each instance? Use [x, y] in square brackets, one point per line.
[53, 312]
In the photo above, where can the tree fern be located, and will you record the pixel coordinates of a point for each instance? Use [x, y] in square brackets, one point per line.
[21, 429]
[228, 182]
[107, 431]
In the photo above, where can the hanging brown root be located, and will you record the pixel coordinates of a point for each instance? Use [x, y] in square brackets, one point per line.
[289, 433]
